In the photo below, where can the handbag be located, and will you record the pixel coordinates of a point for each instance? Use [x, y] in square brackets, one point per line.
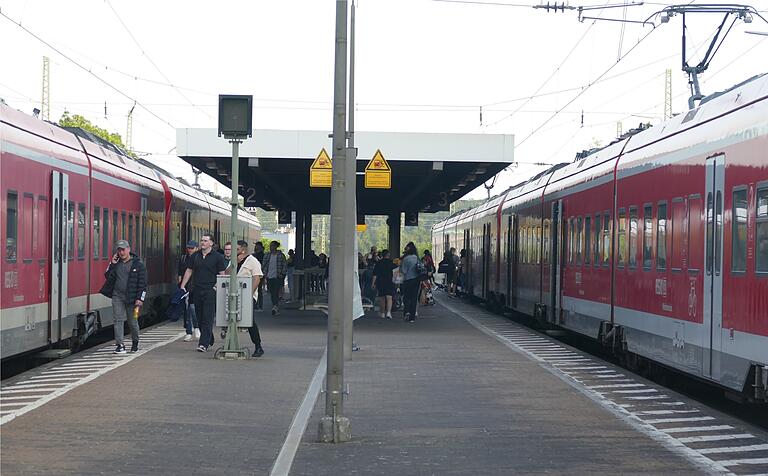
[442, 268]
[397, 276]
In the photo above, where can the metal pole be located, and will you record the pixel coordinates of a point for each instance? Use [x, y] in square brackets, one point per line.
[334, 427]
[231, 345]
[351, 157]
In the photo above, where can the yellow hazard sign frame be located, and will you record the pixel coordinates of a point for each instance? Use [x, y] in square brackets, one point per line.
[378, 173]
[321, 171]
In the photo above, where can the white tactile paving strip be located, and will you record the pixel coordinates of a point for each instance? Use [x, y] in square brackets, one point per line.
[688, 429]
[27, 394]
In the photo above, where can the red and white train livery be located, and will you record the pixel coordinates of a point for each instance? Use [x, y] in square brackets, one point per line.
[656, 244]
[65, 200]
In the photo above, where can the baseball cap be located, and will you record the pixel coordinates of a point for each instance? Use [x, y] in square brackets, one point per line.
[122, 244]
[191, 244]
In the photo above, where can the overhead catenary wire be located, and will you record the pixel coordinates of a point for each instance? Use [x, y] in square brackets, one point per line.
[99, 78]
[585, 89]
[157, 68]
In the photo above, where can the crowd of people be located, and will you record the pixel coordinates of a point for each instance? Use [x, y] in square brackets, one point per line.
[402, 282]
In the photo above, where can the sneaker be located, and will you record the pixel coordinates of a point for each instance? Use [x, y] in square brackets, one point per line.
[258, 351]
[389, 315]
[197, 332]
[412, 320]
[134, 348]
[355, 348]
[407, 317]
[383, 316]
[188, 338]
[202, 348]
[274, 310]
[120, 349]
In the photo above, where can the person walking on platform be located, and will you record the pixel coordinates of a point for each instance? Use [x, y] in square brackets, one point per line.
[204, 265]
[127, 286]
[448, 267]
[190, 318]
[383, 284]
[410, 287]
[275, 267]
[249, 267]
[258, 253]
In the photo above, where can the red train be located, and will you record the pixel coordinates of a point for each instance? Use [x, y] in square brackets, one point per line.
[66, 198]
[656, 245]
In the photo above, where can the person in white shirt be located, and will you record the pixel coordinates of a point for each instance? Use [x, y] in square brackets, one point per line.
[249, 267]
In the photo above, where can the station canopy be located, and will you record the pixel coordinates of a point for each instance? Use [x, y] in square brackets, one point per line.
[429, 170]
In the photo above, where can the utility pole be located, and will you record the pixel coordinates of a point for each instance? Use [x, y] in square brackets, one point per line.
[352, 156]
[334, 427]
[668, 94]
[45, 106]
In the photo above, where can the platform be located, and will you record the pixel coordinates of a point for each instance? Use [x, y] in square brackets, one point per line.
[460, 391]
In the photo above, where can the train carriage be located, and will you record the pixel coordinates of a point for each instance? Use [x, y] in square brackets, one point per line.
[67, 196]
[656, 245]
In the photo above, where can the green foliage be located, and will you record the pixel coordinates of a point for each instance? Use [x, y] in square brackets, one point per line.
[77, 120]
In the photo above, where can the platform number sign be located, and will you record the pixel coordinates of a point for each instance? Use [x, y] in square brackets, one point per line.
[284, 217]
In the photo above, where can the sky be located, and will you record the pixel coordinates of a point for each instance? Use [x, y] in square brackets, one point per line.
[558, 84]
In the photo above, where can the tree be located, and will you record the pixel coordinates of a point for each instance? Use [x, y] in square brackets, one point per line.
[77, 120]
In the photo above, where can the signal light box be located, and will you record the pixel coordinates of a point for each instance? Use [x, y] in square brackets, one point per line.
[235, 116]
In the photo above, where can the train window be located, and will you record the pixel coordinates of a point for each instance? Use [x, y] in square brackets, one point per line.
[677, 229]
[695, 234]
[761, 263]
[587, 239]
[709, 233]
[571, 241]
[661, 237]
[11, 226]
[739, 231]
[718, 231]
[606, 239]
[622, 251]
[105, 235]
[647, 236]
[538, 244]
[579, 232]
[130, 230]
[96, 231]
[71, 230]
[80, 230]
[27, 227]
[42, 228]
[115, 226]
[596, 253]
[122, 227]
[547, 227]
[633, 231]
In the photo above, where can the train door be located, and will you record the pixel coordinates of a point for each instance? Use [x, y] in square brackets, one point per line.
[465, 275]
[555, 268]
[713, 278]
[59, 266]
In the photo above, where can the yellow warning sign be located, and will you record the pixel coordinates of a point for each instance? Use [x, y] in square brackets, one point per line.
[362, 228]
[321, 170]
[378, 174]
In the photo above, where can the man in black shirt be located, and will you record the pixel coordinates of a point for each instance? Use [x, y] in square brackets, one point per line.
[205, 265]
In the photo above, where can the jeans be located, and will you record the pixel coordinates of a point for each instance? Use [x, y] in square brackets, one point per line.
[205, 305]
[410, 290]
[274, 285]
[190, 318]
[123, 311]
